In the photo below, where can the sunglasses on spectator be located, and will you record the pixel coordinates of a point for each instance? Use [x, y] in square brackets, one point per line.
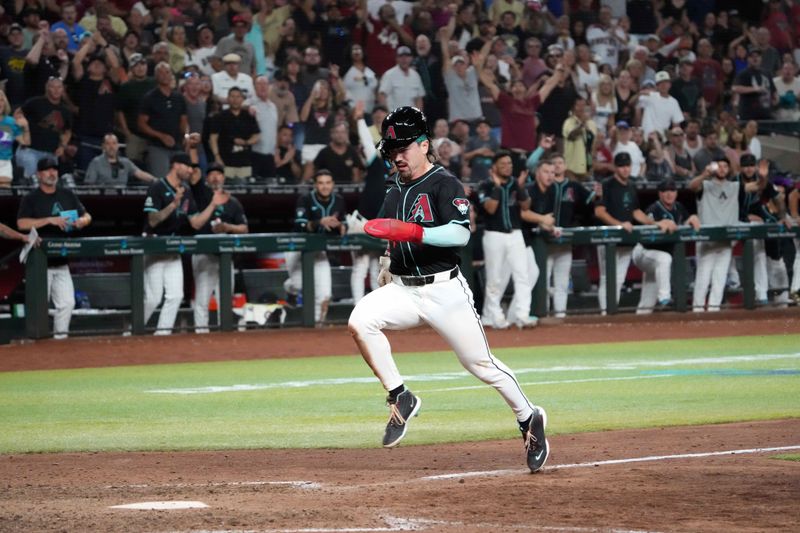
[187, 75]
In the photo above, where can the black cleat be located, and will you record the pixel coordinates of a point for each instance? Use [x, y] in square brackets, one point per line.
[536, 445]
[402, 409]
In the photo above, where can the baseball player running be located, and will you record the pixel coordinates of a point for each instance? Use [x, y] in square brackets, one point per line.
[55, 212]
[620, 207]
[227, 217]
[717, 205]
[320, 211]
[170, 209]
[503, 244]
[655, 260]
[422, 284]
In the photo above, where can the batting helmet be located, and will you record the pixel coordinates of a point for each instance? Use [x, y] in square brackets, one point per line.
[402, 127]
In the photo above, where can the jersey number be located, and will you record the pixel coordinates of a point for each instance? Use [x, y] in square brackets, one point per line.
[421, 210]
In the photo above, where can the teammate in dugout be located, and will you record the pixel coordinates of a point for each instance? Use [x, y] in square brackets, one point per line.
[655, 260]
[227, 217]
[320, 211]
[502, 200]
[54, 212]
[421, 282]
[170, 210]
[619, 206]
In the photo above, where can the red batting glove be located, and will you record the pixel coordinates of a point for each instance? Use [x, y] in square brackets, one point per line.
[394, 230]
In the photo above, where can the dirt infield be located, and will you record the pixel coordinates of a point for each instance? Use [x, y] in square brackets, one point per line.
[480, 486]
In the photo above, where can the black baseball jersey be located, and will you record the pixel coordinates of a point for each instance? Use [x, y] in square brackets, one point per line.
[571, 200]
[159, 195]
[311, 208]
[506, 218]
[39, 204]
[435, 199]
[542, 202]
[755, 203]
[231, 212]
[658, 211]
[620, 200]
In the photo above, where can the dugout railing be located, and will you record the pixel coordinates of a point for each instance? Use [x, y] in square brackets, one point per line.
[36, 304]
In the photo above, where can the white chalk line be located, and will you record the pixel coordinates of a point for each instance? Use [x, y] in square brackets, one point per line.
[449, 376]
[651, 458]
[551, 382]
[304, 485]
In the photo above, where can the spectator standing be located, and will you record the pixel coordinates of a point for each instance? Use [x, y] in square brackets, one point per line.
[687, 91]
[480, 151]
[12, 66]
[336, 32]
[461, 79]
[604, 39]
[710, 151]
[237, 43]
[32, 24]
[384, 37]
[626, 98]
[175, 37]
[229, 77]
[203, 56]
[56, 212]
[360, 81]
[401, 85]
[623, 143]
[233, 133]
[604, 103]
[287, 159]
[169, 210]
[318, 117]
[284, 100]
[681, 159]
[555, 110]
[770, 57]
[320, 211]
[128, 102]
[619, 206]
[533, 66]
[580, 133]
[163, 120]
[693, 142]
[751, 134]
[312, 70]
[110, 168]
[659, 166]
[756, 91]
[428, 66]
[660, 110]
[708, 72]
[227, 217]
[587, 77]
[655, 260]
[44, 62]
[787, 86]
[339, 157]
[196, 110]
[97, 84]
[68, 23]
[13, 128]
[266, 114]
[50, 124]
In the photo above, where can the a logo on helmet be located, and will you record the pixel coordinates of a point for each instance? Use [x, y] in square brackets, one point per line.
[390, 134]
[421, 210]
[462, 204]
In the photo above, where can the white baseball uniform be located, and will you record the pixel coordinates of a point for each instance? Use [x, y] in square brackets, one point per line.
[61, 291]
[205, 270]
[656, 267]
[322, 279]
[163, 275]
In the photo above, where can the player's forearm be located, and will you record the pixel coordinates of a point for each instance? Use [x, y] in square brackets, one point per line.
[448, 235]
[201, 218]
[155, 218]
[11, 234]
[603, 216]
[27, 224]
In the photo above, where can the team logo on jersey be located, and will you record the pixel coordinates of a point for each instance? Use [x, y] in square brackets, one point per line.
[569, 196]
[56, 210]
[421, 209]
[390, 134]
[462, 204]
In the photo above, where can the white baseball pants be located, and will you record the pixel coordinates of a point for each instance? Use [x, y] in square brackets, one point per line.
[447, 306]
[796, 268]
[163, 276]
[61, 291]
[205, 269]
[760, 278]
[363, 263]
[656, 267]
[559, 266]
[623, 256]
[519, 309]
[713, 261]
[778, 279]
[504, 256]
[322, 280]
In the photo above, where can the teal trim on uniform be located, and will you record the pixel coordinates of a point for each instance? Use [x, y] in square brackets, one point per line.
[666, 211]
[150, 210]
[402, 206]
[559, 195]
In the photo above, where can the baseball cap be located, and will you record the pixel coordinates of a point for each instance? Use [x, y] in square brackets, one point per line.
[403, 51]
[47, 163]
[667, 185]
[555, 49]
[231, 58]
[457, 59]
[662, 75]
[622, 159]
[14, 27]
[215, 167]
[687, 60]
[753, 50]
[747, 160]
[721, 159]
[649, 83]
[623, 124]
[676, 131]
[652, 37]
[135, 59]
[181, 158]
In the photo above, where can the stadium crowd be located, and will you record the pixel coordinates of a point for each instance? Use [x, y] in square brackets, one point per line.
[117, 92]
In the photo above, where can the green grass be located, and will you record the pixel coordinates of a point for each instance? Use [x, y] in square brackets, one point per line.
[583, 387]
[788, 457]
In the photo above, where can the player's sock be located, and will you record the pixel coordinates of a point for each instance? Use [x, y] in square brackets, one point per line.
[523, 426]
[394, 393]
